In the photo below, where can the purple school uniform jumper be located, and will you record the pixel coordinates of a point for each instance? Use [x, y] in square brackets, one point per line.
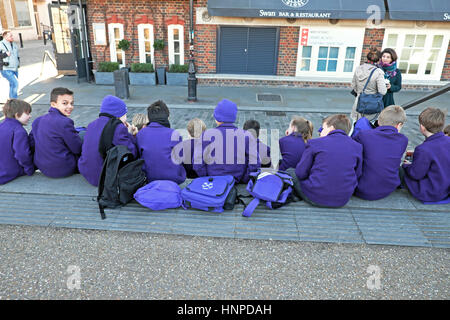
[15, 159]
[428, 177]
[155, 146]
[91, 162]
[57, 144]
[291, 148]
[383, 149]
[329, 169]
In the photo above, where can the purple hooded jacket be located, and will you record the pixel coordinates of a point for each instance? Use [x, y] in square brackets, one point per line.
[57, 144]
[15, 159]
[91, 162]
[291, 148]
[330, 168]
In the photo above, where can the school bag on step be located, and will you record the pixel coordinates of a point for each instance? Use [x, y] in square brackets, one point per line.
[211, 193]
[159, 195]
[271, 186]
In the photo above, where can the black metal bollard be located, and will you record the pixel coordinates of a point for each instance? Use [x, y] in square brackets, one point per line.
[20, 39]
[192, 82]
[121, 82]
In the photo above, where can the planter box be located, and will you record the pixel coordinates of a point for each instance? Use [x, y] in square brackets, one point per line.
[161, 75]
[105, 78]
[177, 79]
[142, 78]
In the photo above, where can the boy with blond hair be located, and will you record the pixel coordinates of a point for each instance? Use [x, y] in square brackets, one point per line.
[383, 148]
[428, 176]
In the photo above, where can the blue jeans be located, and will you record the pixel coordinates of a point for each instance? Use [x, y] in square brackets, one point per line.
[13, 79]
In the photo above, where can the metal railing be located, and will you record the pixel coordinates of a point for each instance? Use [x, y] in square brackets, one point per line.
[426, 97]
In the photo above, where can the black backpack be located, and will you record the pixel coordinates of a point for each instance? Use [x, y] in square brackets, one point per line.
[121, 174]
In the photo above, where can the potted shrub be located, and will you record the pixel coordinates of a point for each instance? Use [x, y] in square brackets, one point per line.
[142, 74]
[159, 45]
[105, 72]
[178, 75]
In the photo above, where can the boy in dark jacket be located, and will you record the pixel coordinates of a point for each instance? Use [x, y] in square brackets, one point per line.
[91, 161]
[428, 176]
[330, 166]
[383, 149]
[226, 149]
[15, 159]
[254, 127]
[56, 143]
[156, 143]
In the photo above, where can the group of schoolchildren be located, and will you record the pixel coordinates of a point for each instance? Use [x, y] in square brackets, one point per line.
[326, 171]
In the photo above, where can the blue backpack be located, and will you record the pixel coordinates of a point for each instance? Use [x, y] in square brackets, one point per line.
[159, 195]
[208, 193]
[273, 187]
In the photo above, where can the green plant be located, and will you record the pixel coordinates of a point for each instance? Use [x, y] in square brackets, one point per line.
[142, 67]
[108, 66]
[179, 68]
[159, 44]
[123, 45]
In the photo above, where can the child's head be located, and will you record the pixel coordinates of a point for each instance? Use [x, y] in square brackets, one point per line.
[432, 120]
[17, 109]
[447, 130]
[335, 122]
[393, 116]
[115, 107]
[301, 126]
[253, 126]
[195, 127]
[139, 120]
[62, 99]
[158, 111]
[225, 112]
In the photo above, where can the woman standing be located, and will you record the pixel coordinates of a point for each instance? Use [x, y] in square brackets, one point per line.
[375, 85]
[389, 65]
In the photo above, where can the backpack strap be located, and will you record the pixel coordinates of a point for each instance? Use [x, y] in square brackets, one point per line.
[368, 80]
[250, 208]
[107, 135]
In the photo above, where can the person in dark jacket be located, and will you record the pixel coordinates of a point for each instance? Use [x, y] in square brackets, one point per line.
[91, 162]
[330, 166]
[54, 138]
[254, 127]
[2, 56]
[392, 75]
[428, 176]
[15, 159]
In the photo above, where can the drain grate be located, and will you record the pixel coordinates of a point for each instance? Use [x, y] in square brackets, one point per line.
[276, 113]
[268, 97]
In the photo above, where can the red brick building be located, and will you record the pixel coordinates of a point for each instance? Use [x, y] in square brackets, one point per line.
[286, 44]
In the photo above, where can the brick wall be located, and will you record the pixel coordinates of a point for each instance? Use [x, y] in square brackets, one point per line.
[372, 38]
[446, 70]
[287, 51]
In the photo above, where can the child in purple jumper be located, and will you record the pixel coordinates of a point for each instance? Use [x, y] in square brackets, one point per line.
[15, 159]
[428, 176]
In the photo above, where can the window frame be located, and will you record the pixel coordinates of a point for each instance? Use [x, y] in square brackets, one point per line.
[141, 40]
[170, 30]
[112, 42]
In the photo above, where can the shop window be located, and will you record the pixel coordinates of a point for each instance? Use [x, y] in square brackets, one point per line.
[306, 58]
[115, 35]
[349, 59]
[328, 58]
[146, 39]
[22, 13]
[176, 44]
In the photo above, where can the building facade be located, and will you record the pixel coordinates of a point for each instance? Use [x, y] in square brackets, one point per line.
[304, 43]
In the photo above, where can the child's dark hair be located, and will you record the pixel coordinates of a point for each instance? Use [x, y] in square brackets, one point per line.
[433, 119]
[16, 106]
[374, 54]
[252, 125]
[157, 108]
[447, 130]
[59, 92]
[339, 122]
[303, 127]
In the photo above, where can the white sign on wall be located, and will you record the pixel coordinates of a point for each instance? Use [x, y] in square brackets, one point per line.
[332, 37]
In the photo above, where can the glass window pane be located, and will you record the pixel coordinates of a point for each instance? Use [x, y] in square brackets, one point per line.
[306, 63]
[433, 55]
[323, 52]
[148, 58]
[420, 41]
[176, 34]
[147, 34]
[119, 58]
[177, 59]
[306, 52]
[348, 66]
[406, 54]
[334, 52]
[413, 68]
[321, 65]
[176, 47]
[116, 33]
[392, 40]
[403, 66]
[350, 53]
[437, 41]
[332, 65]
[147, 46]
[23, 13]
[409, 40]
[417, 56]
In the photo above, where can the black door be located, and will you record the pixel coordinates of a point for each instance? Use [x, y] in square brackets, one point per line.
[244, 50]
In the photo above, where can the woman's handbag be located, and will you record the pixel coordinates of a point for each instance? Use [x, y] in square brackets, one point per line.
[369, 103]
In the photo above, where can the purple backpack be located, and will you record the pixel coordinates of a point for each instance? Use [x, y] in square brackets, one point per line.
[159, 195]
[273, 187]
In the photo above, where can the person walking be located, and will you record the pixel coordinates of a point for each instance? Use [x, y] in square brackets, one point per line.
[376, 84]
[388, 63]
[10, 63]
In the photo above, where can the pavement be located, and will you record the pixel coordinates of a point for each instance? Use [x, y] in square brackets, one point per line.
[48, 224]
